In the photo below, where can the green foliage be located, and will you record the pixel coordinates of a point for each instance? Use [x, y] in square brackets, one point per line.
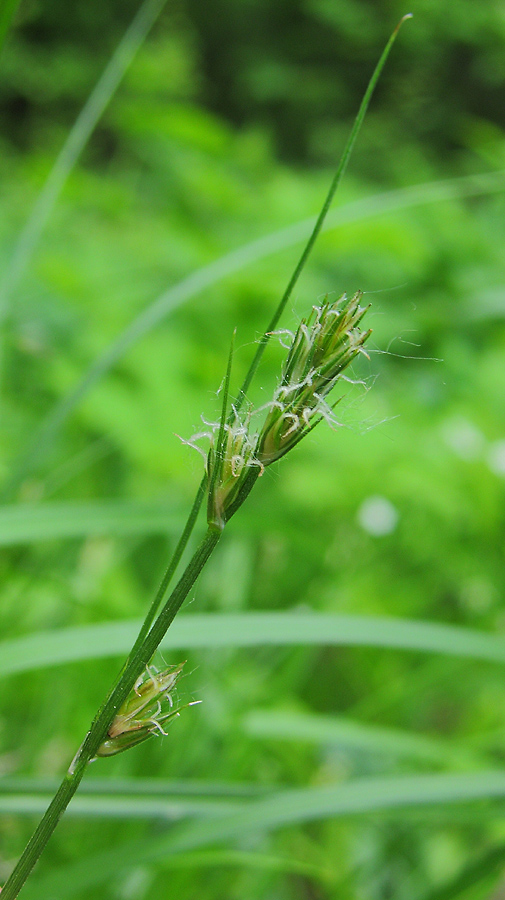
[182, 220]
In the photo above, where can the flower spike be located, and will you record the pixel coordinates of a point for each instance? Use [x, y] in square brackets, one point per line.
[322, 347]
[141, 715]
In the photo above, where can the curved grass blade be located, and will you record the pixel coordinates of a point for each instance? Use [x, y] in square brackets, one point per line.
[349, 734]
[74, 144]
[365, 796]
[214, 630]
[116, 807]
[124, 798]
[146, 787]
[27, 523]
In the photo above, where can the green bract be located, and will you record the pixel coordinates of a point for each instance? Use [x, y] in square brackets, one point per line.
[323, 346]
[141, 715]
[321, 349]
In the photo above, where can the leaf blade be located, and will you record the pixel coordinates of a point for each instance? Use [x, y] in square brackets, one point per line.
[290, 807]
[219, 630]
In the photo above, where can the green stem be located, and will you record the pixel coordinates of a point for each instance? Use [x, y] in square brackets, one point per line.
[96, 734]
[170, 571]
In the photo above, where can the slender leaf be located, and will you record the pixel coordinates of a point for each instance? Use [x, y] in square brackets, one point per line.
[74, 144]
[146, 787]
[291, 807]
[24, 523]
[125, 798]
[249, 630]
[111, 807]
[337, 178]
[278, 724]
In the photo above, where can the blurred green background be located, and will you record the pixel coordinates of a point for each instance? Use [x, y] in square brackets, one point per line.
[118, 300]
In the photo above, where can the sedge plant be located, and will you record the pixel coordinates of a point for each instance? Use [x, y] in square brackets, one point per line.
[140, 702]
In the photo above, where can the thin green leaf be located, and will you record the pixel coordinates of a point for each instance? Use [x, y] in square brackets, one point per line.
[286, 808]
[129, 797]
[77, 138]
[111, 807]
[146, 787]
[24, 523]
[278, 724]
[249, 630]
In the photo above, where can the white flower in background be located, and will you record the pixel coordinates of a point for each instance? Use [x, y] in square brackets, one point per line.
[463, 437]
[377, 516]
[496, 458]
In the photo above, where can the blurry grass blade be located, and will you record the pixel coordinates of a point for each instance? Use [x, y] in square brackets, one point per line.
[233, 262]
[249, 860]
[129, 797]
[355, 736]
[116, 807]
[27, 523]
[76, 140]
[365, 796]
[7, 10]
[250, 630]
[146, 787]
[361, 796]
